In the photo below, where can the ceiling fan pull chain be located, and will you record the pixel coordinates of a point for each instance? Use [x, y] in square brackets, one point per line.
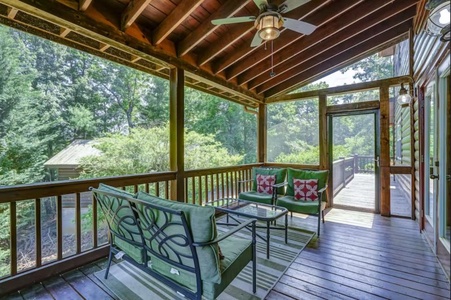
[272, 74]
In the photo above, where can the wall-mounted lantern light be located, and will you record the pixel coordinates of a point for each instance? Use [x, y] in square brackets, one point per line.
[439, 18]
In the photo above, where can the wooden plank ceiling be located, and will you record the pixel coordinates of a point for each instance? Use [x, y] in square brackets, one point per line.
[155, 35]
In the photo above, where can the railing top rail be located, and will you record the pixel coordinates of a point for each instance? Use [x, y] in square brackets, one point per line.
[209, 171]
[48, 189]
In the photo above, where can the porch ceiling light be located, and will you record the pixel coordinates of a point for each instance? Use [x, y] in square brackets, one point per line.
[439, 18]
[404, 98]
[268, 26]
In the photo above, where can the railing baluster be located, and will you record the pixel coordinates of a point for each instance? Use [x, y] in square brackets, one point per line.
[146, 187]
[227, 184]
[37, 226]
[200, 190]
[186, 191]
[59, 227]
[13, 236]
[157, 189]
[212, 187]
[78, 221]
[94, 222]
[193, 189]
[166, 189]
[206, 188]
[217, 184]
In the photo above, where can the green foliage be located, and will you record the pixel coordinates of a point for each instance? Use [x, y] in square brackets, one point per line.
[146, 150]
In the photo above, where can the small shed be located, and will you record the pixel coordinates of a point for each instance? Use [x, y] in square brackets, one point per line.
[66, 162]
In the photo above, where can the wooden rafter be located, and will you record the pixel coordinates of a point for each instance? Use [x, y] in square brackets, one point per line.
[329, 65]
[64, 32]
[290, 60]
[315, 60]
[84, 4]
[177, 16]
[12, 12]
[132, 12]
[228, 9]
[287, 37]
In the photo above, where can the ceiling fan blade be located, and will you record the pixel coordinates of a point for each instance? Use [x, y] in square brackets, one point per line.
[290, 5]
[233, 20]
[261, 3]
[298, 26]
[257, 40]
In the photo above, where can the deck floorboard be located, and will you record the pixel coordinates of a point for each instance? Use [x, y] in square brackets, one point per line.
[359, 255]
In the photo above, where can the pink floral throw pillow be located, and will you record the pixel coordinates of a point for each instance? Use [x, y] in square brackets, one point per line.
[265, 183]
[305, 189]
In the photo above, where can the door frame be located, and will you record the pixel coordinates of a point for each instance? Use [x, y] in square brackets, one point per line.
[377, 148]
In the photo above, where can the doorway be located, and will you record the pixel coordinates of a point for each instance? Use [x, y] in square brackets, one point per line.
[437, 163]
[354, 156]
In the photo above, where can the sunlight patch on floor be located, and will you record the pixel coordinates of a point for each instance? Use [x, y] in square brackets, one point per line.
[349, 217]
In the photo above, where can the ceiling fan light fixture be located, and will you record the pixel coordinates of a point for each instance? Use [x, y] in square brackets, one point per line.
[268, 27]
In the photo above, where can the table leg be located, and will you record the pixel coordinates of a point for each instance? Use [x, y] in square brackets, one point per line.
[286, 228]
[267, 239]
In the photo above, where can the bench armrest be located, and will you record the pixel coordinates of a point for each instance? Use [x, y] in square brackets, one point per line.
[228, 233]
[279, 185]
[321, 192]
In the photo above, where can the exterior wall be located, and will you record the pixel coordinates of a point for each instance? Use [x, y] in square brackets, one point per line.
[429, 54]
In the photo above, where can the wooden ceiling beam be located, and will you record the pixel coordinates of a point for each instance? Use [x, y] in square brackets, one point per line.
[132, 12]
[396, 13]
[245, 49]
[229, 9]
[329, 65]
[175, 18]
[288, 37]
[318, 36]
[317, 59]
[84, 4]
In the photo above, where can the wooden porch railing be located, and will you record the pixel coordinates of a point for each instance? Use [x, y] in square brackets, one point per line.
[50, 202]
[345, 168]
[36, 213]
[210, 184]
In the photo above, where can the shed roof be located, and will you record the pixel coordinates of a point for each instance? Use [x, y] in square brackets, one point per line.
[71, 155]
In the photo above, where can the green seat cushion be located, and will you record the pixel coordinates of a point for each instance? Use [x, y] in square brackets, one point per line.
[279, 173]
[237, 254]
[202, 223]
[305, 207]
[127, 229]
[256, 197]
[322, 177]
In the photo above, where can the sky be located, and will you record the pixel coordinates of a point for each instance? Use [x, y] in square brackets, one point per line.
[337, 78]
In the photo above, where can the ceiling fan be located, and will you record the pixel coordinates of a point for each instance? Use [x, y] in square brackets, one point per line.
[270, 20]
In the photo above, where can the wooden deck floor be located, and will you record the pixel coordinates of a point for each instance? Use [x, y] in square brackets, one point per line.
[360, 194]
[359, 255]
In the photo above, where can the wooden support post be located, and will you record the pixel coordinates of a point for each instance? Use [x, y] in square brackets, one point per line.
[385, 150]
[324, 162]
[412, 125]
[261, 141]
[176, 136]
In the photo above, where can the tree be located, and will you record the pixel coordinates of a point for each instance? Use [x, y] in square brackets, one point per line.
[146, 150]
